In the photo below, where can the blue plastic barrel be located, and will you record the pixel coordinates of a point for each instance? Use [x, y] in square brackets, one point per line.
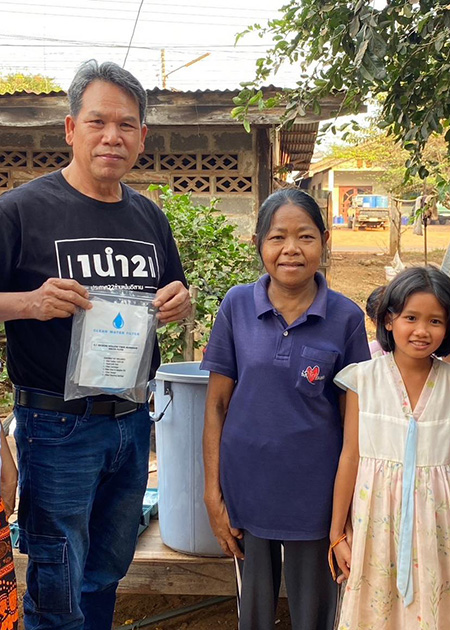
[183, 520]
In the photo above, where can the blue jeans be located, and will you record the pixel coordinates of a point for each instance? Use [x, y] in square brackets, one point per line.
[81, 484]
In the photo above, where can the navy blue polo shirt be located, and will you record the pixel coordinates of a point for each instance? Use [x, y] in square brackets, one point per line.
[282, 435]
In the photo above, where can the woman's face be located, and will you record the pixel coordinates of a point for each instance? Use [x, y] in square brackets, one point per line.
[292, 248]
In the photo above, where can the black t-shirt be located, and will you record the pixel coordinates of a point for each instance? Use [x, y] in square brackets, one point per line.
[49, 229]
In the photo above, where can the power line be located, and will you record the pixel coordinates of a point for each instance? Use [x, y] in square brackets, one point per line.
[121, 19]
[169, 5]
[134, 47]
[164, 6]
[150, 62]
[150, 11]
[132, 34]
[167, 46]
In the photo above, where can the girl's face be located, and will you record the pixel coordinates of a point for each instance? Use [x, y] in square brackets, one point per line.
[292, 249]
[420, 328]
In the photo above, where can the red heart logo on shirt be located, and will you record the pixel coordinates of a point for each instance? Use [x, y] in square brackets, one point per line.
[312, 374]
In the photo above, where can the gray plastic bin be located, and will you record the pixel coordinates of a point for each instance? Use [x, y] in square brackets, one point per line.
[183, 519]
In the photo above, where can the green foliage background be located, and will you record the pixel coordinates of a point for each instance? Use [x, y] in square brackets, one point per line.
[213, 258]
[399, 52]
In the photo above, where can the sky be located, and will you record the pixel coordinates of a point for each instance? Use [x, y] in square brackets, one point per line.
[45, 37]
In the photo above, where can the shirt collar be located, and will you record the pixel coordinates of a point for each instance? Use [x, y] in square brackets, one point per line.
[264, 305]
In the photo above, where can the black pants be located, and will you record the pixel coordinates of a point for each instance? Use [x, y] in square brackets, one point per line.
[312, 594]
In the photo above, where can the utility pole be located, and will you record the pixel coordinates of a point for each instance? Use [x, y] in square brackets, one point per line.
[185, 65]
[163, 68]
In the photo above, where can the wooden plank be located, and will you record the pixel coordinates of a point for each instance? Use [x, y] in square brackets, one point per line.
[158, 569]
[264, 156]
[164, 108]
[210, 577]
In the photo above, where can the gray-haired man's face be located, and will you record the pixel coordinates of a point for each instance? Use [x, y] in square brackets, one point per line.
[106, 136]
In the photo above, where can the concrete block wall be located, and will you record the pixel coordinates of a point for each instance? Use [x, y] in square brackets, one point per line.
[241, 208]
[29, 153]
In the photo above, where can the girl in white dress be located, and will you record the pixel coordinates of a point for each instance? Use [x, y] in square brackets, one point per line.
[394, 470]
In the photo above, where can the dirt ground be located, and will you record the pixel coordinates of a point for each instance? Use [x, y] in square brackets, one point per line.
[358, 261]
[438, 237]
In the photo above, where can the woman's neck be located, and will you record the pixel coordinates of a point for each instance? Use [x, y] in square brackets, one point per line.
[291, 303]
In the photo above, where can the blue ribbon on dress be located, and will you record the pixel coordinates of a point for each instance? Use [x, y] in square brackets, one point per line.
[405, 543]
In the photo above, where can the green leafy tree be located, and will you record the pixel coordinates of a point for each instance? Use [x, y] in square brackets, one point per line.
[21, 82]
[400, 52]
[214, 260]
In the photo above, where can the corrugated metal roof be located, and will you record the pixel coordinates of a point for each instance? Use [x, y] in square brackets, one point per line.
[297, 146]
[268, 88]
[24, 93]
[154, 90]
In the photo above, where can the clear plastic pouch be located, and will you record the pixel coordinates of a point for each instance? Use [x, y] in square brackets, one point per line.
[112, 345]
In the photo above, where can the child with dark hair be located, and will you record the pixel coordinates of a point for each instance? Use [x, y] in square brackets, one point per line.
[273, 428]
[394, 470]
[372, 304]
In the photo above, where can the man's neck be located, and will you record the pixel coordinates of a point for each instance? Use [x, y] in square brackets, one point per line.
[108, 192]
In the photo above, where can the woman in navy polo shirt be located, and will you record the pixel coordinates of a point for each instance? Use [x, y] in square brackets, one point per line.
[273, 430]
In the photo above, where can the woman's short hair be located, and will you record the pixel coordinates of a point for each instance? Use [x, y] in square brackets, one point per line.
[400, 289]
[373, 301]
[280, 198]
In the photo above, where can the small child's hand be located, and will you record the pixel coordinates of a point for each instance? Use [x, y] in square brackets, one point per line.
[343, 555]
[9, 497]
[8, 476]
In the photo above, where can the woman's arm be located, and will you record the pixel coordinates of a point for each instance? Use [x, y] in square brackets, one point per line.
[8, 475]
[345, 482]
[220, 389]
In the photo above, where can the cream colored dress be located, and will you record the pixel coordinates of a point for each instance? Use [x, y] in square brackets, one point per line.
[372, 600]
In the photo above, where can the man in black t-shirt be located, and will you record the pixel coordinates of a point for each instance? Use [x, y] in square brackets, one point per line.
[83, 463]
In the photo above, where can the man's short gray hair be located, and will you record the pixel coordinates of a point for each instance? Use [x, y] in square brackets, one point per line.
[109, 72]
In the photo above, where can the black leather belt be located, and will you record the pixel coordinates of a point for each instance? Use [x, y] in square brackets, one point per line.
[46, 402]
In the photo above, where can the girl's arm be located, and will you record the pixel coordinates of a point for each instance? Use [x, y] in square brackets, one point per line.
[345, 482]
[220, 389]
[348, 530]
[8, 475]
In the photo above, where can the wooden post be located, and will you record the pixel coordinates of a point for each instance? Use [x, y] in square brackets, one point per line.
[190, 328]
[395, 228]
[425, 244]
[264, 165]
[426, 214]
